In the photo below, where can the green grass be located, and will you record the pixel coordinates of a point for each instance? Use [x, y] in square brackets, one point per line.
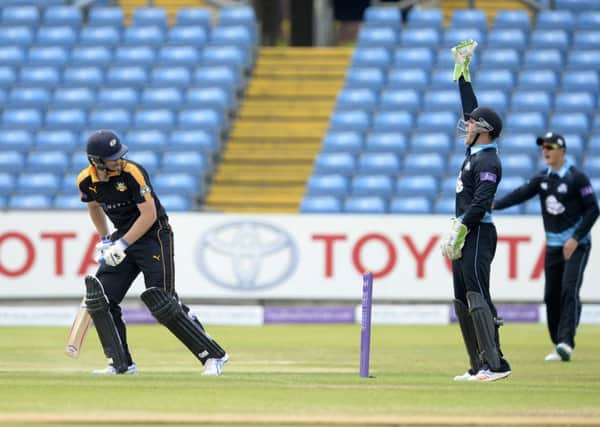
[305, 374]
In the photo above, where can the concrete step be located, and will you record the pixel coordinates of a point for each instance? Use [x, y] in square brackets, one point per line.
[247, 198]
[270, 170]
[279, 156]
[257, 209]
[314, 72]
[243, 146]
[228, 178]
[297, 129]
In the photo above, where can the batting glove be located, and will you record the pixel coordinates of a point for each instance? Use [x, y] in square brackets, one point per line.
[454, 240]
[115, 253]
[462, 54]
[103, 245]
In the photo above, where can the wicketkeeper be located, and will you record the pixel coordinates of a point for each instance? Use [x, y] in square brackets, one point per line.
[471, 241]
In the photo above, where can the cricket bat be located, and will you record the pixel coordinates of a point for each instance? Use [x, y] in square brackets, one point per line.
[79, 329]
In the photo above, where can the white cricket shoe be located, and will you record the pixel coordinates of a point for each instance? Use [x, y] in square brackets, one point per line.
[110, 370]
[467, 376]
[487, 375]
[214, 367]
[564, 350]
[552, 357]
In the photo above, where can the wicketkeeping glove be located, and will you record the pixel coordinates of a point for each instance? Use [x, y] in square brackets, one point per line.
[454, 240]
[462, 54]
[115, 253]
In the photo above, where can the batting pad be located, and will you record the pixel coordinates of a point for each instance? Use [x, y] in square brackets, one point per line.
[468, 332]
[485, 329]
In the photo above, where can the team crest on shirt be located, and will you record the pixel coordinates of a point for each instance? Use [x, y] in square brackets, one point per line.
[120, 186]
[562, 188]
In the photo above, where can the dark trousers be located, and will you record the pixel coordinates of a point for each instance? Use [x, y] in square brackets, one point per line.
[561, 293]
[151, 255]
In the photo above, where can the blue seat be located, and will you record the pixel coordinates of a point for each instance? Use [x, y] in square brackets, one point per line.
[178, 183]
[509, 183]
[154, 118]
[37, 97]
[365, 205]
[144, 36]
[585, 80]
[24, 118]
[383, 17]
[42, 75]
[37, 183]
[454, 35]
[219, 76]
[448, 184]
[545, 80]
[18, 35]
[12, 55]
[437, 120]
[346, 141]
[134, 55]
[106, 16]
[147, 139]
[237, 15]
[190, 162]
[335, 163]
[356, 99]
[110, 118]
[239, 36]
[422, 185]
[531, 101]
[200, 118]
[445, 205]
[400, 99]
[543, 59]
[518, 19]
[591, 166]
[193, 16]
[27, 15]
[187, 56]
[564, 123]
[502, 79]
[420, 37]
[176, 203]
[170, 76]
[424, 141]
[499, 38]
[91, 55]
[576, 144]
[67, 201]
[8, 183]
[369, 78]
[376, 57]
[377, 37]
[150, 160]
[555, 19]
[592, 148]
[517, 164]
[392, 121]
[66, 118]
[520, 122]
[353, 120]
[425, 18]
[81, 97]
[327, 185]
[532, 207]
[409, 78]
[588, 59]
[83, 76]
[519, 143]
[30, 201]
[393, 142]
[496, 99]
[12, 161]
[62, 15]
[413, 57]
[60, 139]
[215, 98]
[194, 140]
[8, 76]
[188, 35]
[79, 161]
[583, 102]
[513, 210]
[424, 164]
[440, 100]
[156, 97]
[150, 17]
[107, 36]
[372, 185]
[577, 5]
[411, 205]
[19, 140]
[549, 39]
[126, 75]
[379, 163]
[117, 97]
[56, 36]
[441, 79]
[506, 58]
[47, 161]
[231, 56]
[320, 204]
[455, 162]
[590, 20]
[469, 18]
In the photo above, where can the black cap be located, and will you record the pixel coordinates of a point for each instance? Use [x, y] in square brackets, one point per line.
[490, 116]
[552, 138]
[104, 144]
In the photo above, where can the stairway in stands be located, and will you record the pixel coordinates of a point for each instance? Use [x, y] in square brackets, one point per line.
[278, 132]
[490, 7]
[171, 6]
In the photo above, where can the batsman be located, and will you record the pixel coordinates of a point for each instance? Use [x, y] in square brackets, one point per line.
[471, 241]
[119, 190]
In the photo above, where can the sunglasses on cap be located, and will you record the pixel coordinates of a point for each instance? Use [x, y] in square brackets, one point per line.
[550, 146]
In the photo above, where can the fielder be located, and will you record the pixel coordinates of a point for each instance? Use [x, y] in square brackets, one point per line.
[120, 190]
[471, 241]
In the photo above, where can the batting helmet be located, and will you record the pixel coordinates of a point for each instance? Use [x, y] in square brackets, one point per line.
[104, 145]
[490, 118]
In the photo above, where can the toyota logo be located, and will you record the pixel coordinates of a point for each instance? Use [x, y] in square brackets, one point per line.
[247, 255]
